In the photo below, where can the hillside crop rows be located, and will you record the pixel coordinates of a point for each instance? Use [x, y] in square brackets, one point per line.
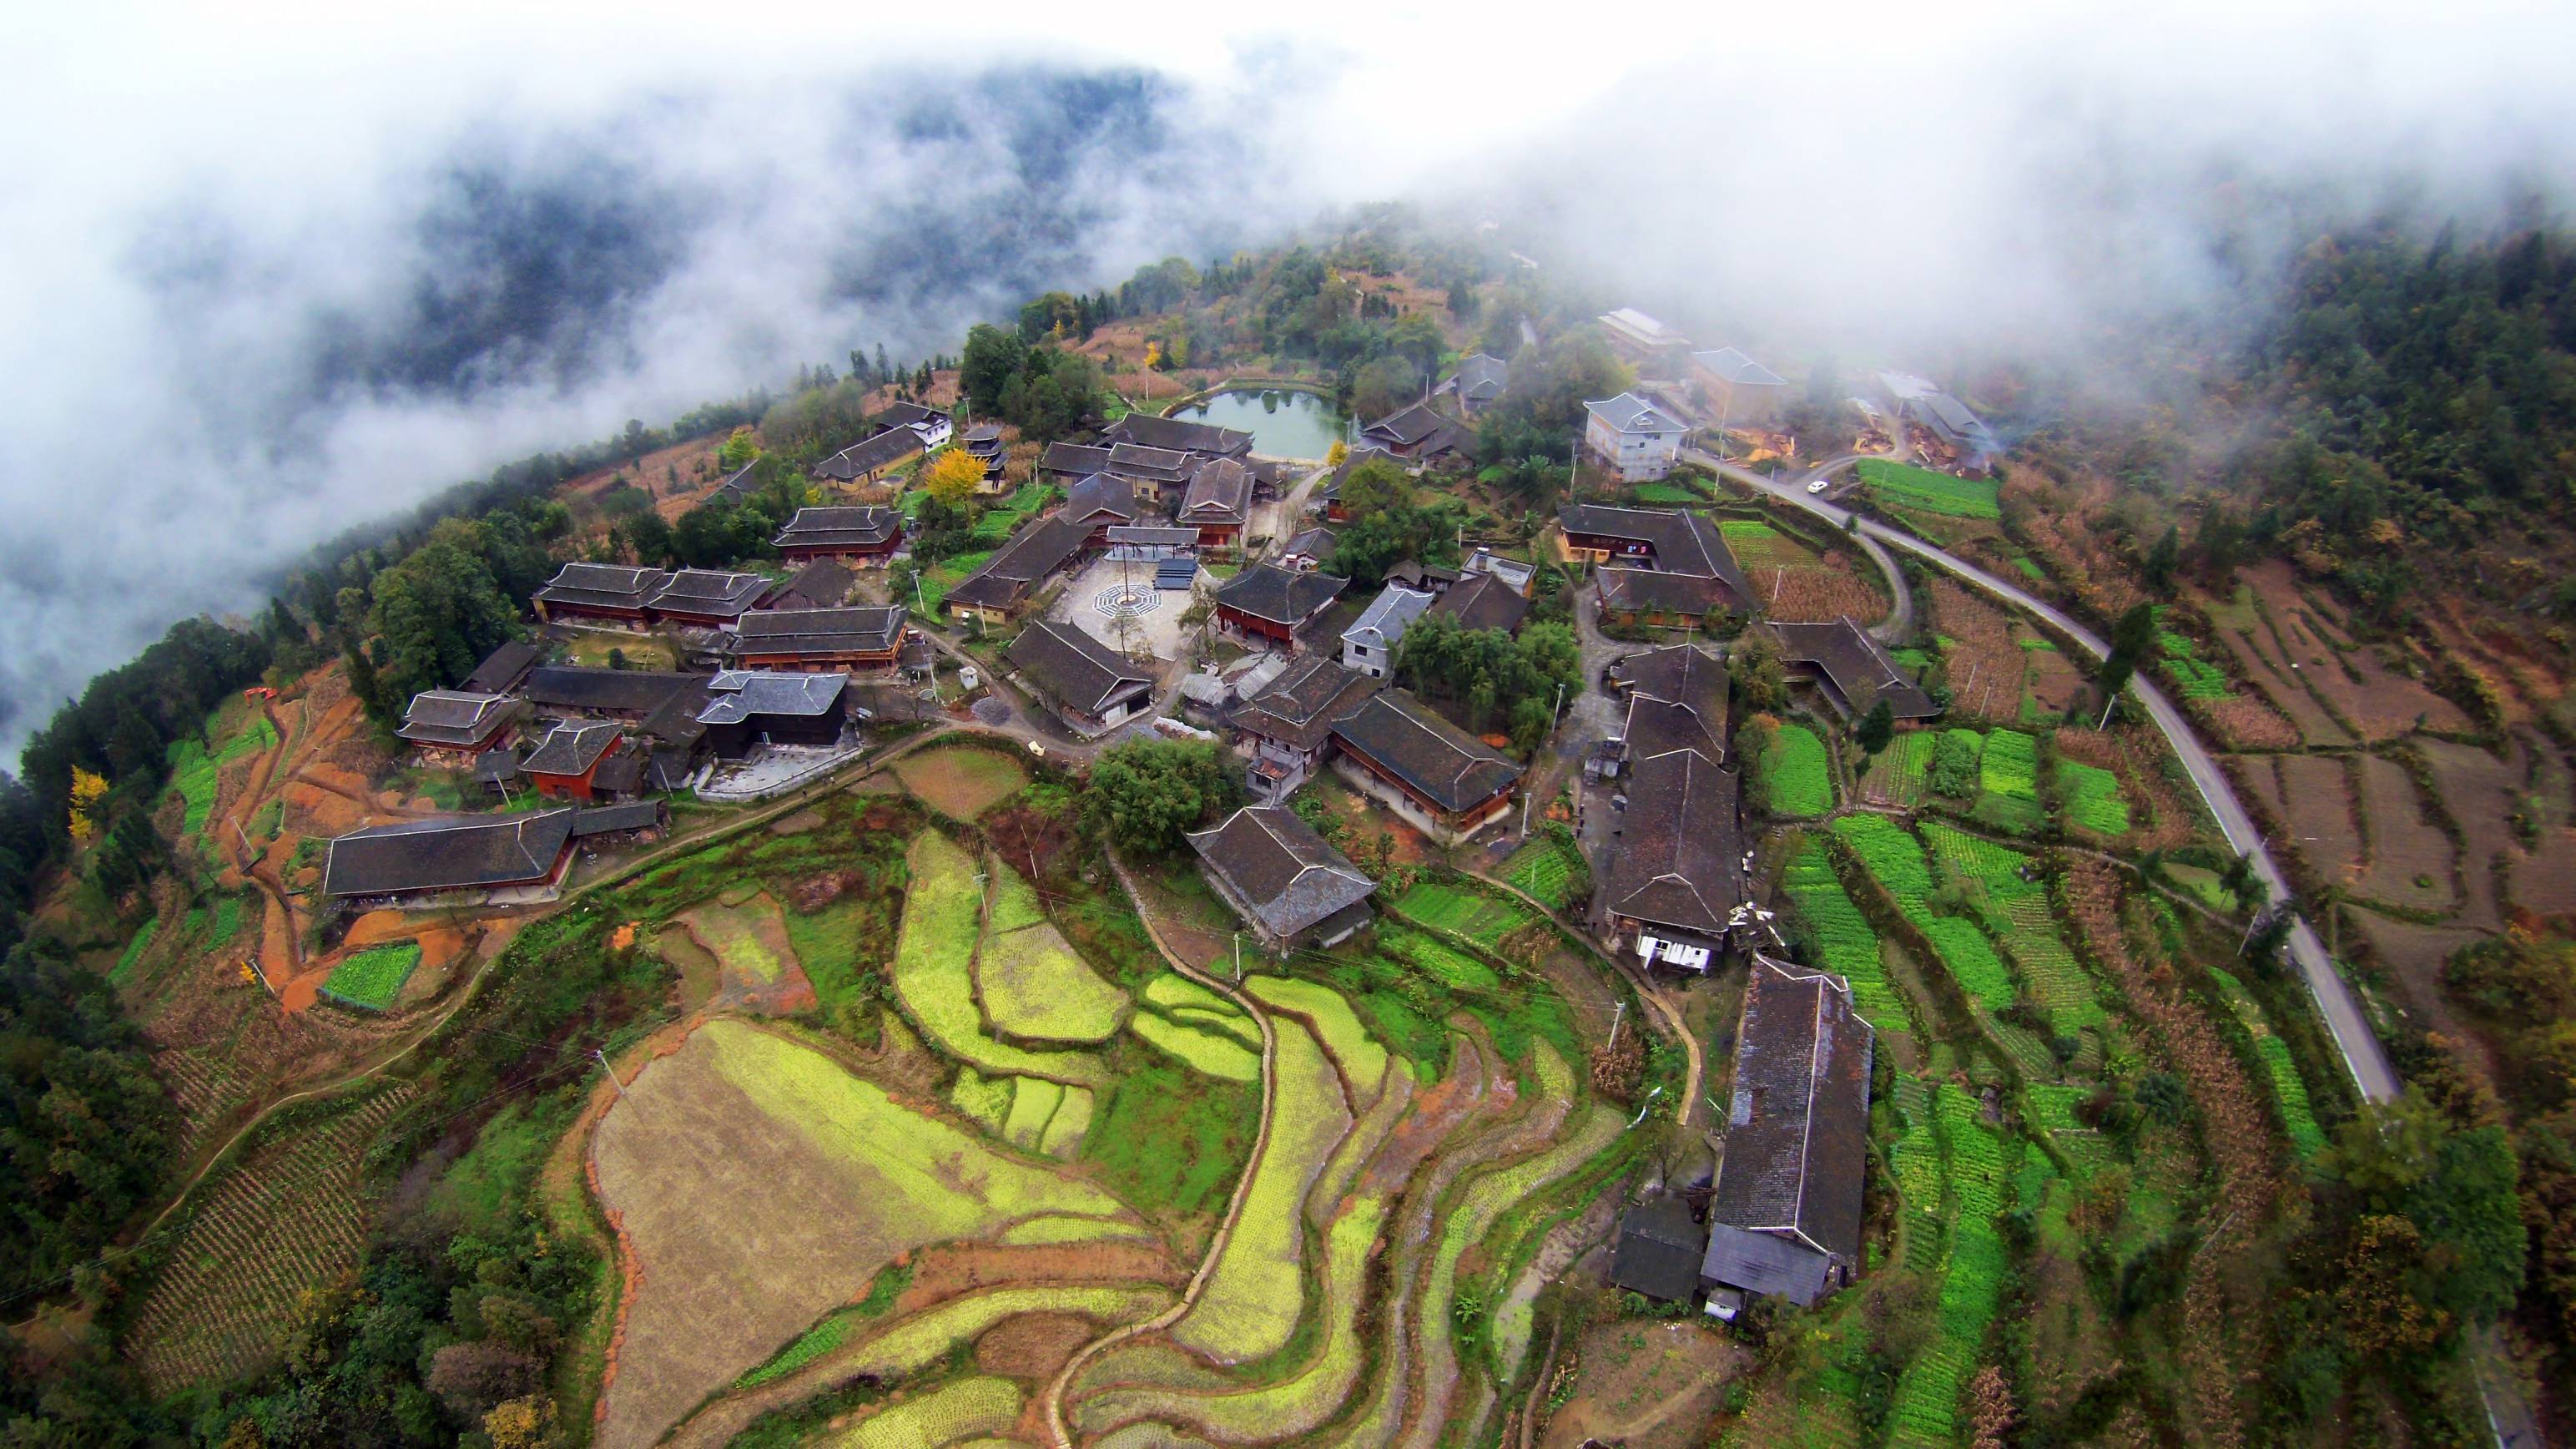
[264, 1233]
[1906, 486]
[1798, 777]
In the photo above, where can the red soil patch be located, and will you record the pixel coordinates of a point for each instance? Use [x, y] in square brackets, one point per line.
[944, 1270]
[377, 927]
[1033, 1346]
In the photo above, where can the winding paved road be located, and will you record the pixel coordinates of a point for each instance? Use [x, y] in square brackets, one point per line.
[2362, 1054]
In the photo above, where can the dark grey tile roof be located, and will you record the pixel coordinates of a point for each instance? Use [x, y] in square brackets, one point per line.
[1653, 591]
[1298, 708]
[1276, 863]
[1677, 859]
[1857, 664]
[1021, 565]
[860, 459]
[740, 694]
[609, 819]
[592, 689]
[1153, 535]
[1448, 766]
[736, 487]
[1682, 540]
[1281, 596]
[1659, 1250]
[1315, 543]
[602, 586]
[862, 527]
[1676, 701]
[907, 415]
[619, 774]
[820, 584]
[1480, 378]
[504, 667]
[860, 629]
[1406, 426]
[1797, 1129]
[1075, 669]
[1177, 434]
[709, 592]
[447, 854]
[453, 717]
[1481, 601]
[1765, 1263]
[1101, 494]
[495, 767]
[569, 749]
[1220, 492]
[1075, 459]
[1151, 465]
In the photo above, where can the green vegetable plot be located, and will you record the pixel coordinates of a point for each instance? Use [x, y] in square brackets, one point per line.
[1481, 918]
[1842, 940]
[2093, 798]
[1903, 485]
[1798, 778]
[1971, 1279]
[372, 979]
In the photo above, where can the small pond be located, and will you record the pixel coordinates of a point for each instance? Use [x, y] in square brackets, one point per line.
[1282, 424]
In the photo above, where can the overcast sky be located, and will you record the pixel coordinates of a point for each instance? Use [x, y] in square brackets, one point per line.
[207, 213]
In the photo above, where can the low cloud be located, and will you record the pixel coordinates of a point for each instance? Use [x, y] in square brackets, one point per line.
[274, 276]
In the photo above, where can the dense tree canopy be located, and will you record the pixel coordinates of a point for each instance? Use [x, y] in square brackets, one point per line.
[1144, 794]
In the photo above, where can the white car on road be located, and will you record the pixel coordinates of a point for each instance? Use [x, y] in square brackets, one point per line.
[1820, 485]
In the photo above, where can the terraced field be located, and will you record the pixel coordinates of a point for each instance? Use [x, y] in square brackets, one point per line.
[259, 1237]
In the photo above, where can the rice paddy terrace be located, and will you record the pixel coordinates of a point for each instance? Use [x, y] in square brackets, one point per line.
[919, 1136]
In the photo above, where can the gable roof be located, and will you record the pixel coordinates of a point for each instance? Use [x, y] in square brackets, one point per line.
[1019, 566]
[570, 749]
[1280, 596]
[1448, 766]
[1629, 413]
[447, 854]
[1653, 591]
[1099, 494]
[1177, 434]
[1220, 491]
[1383, 622]
[1480, 378]
[1683, 541]
[453, 717]
[708, 591]
[821, 584]
[1148, 465]
[908, 415]
[591, 688]
[1676, 859]
[1659, 1249]
[1797, 1134]
[608, 819]
[1366, 452]
[1482, 601]
[1407, 426]
[1676, 701]
[602, 586]
[1316, 543]
[1736, 368]
[1277, 865]
[735, 488]
[862, 527]
[858, 629]
[504, 667]
[1155, 535]
[1079, 459]
[737, 695]
[1630, 322]
[1073, 668]
[882, 450]
[1299, 706]
[1858, 665]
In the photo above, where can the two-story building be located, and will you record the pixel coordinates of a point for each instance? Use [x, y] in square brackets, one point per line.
[864, 637]
[1269, 603]
[1446, 782]
[1368, 646]
[863, 535]
[1641, 441]
[450, 727]
[1286, 727]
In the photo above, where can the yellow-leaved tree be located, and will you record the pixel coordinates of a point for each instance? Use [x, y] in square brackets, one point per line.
[1338, 454]
[86, 790]
[953, 476]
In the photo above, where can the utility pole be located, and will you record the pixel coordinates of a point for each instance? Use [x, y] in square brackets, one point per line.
[2105, 721]
[1615, 1018]
[1238, 958]
[1556, 711]
[612, 1072]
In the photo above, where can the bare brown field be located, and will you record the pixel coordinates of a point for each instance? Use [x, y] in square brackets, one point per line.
[2381, 703]
[2052, 681]
[2315, 796]
[754, 1186]
[2413, 956]
[1799, 585]
[2240, 626]
[2482, 792]
[1985, 665]
[960, 781]
[1647, 1385]
[2410, 859]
